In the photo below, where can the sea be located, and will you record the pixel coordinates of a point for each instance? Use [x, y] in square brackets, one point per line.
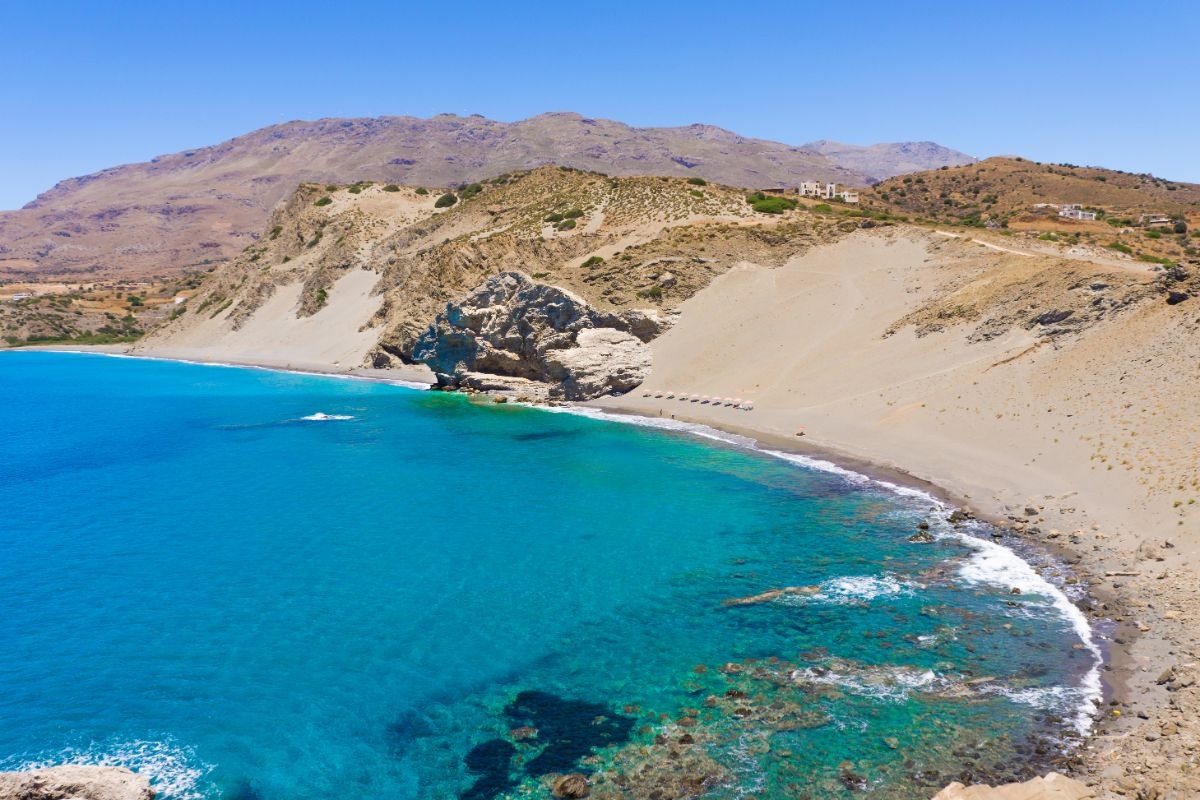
[255, 584]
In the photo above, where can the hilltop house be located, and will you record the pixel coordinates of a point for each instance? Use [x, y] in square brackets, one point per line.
[1155, 220]
[829, 191]
[1075, 211]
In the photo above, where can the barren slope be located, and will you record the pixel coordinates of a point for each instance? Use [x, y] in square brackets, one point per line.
[192, 209]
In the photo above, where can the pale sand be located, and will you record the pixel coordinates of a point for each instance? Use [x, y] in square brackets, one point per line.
[806, 342]
[333, 340]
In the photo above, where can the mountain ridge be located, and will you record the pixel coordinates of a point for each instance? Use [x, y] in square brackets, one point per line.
[190, 209]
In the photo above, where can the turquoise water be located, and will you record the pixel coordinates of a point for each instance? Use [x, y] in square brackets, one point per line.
[197, 582]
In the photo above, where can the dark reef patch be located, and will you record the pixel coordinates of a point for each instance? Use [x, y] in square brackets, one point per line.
[555, 733]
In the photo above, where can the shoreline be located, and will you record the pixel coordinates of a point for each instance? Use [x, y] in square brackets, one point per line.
[1112, 689]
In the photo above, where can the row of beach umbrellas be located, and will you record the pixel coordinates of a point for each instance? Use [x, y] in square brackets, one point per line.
[732, 402]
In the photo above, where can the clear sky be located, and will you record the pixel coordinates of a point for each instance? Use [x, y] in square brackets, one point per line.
[90, 85]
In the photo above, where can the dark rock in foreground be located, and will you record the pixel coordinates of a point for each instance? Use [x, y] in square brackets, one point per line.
[513, 332]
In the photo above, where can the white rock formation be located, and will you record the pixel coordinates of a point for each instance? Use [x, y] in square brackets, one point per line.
[517, 330]
[75, 782]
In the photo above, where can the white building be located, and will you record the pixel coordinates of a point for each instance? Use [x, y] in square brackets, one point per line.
[1075, 211]
[828, 191]
[21, 296]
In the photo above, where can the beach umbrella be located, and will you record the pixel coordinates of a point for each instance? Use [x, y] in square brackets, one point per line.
[728, 401]
[705, 398]
[695, 398]
[658, 394]
[670, 395]
[737, 402]
[748, 405]
[645, 394]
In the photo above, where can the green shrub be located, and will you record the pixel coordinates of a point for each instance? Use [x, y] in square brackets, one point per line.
[822, 207]
[1166, 262]
[696, 193]
[1153, 235]
[278, 229]
[574, 213]
[322, 296]
[446, 200]
[471, 190]
[422, 190]
[553, 218]
[697, 182]
[323, 201]
[355, 189]
[1180, 226]
[755, 197]
[134, 300]
[391, 187]
[566, 225]
[654, 293]
[774, 205]
[1120, 248]
[331, 188]
[592, 261]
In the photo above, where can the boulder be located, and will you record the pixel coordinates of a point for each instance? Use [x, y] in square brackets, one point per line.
[518, 330]
[1051, 787]
[75, 782]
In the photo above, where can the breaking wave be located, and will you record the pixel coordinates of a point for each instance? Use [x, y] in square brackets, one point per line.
[174, 770]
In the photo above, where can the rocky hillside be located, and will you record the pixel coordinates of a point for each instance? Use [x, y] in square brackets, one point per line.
[200, 207]
[1004, 188]
[496, 278]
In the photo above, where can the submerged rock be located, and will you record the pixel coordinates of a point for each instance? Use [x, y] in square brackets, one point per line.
[517, 330]
[570, 786]
[76, 781]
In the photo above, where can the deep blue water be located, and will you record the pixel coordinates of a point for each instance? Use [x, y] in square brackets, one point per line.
[197, 582]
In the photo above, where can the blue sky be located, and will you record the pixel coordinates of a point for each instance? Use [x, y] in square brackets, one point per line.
[91, 85]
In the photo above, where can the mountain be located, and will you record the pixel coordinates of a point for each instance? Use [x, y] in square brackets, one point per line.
[887, 160]
[192, 209]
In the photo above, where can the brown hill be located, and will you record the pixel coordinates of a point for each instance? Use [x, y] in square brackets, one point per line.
[193, 209]
[1000, 188]
[1137, 216]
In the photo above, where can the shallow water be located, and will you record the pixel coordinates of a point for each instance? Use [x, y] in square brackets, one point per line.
[257, 584]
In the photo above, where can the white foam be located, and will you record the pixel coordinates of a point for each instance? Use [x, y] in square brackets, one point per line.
[989, 562]
[174, 771]
[894, 683]
[321, 416]
[853, 589]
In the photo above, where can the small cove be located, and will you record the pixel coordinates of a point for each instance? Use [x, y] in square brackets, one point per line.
[203, 578]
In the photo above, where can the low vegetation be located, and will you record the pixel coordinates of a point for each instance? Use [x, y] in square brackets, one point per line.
[446, 200]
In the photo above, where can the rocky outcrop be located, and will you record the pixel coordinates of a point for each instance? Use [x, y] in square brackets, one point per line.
[75, 782]
[513, 330]
[1051, 787]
